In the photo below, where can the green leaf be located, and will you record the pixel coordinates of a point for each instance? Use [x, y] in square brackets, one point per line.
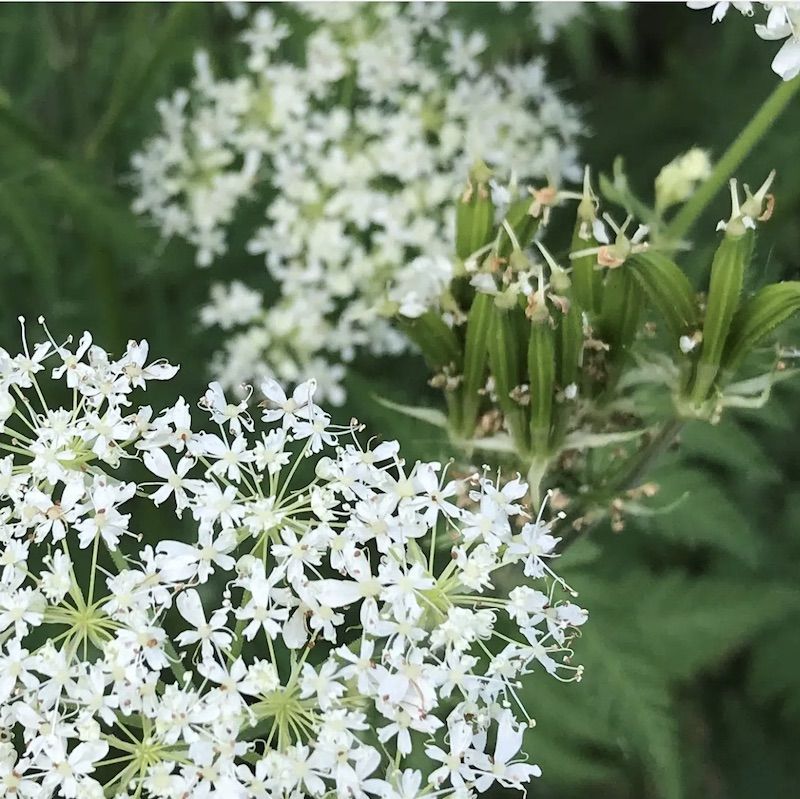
[729, 444]
[702, 620]
[141, 65]
[708, 517]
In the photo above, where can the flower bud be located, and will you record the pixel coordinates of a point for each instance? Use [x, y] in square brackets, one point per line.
[677, 180]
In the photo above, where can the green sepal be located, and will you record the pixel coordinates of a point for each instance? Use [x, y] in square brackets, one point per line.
[757, 317]
[724, 291]
[437, 342]
[505, 368]
[475, 359]
[668, 290]
[541, 372]
[474, 218]
[523, 225]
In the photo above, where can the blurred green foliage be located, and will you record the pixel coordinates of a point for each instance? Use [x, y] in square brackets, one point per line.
[691, 685]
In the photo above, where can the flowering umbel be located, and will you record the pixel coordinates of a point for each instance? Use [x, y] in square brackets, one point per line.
[355, 155]
[308, 638]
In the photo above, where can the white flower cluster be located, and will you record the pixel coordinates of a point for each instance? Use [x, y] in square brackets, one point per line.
[358, 156]
[782, 22]
[364, 633]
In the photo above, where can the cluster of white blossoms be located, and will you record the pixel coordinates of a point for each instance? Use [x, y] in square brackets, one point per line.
[356, 153]
[336, 623]
[782, 22]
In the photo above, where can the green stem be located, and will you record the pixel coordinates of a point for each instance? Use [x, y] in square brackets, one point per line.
[639, 464]
[750, 135]
[628, 477]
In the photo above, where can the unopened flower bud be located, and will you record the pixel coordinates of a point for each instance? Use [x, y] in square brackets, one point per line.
[677, 180]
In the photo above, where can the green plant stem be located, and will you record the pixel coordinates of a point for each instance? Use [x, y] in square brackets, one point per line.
[635, 468]
[639, 464]
[750, 135]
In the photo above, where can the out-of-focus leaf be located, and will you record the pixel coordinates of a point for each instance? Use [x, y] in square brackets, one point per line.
[708, 517]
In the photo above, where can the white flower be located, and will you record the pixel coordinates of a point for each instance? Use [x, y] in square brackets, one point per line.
[719, 8]
[297, 630]
[356, 183]
[782, 22]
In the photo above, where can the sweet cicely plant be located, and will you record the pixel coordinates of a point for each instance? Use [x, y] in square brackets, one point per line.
[336, 624]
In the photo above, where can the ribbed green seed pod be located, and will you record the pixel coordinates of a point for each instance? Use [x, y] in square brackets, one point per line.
[475, 213]
[669, 291]
[505, 368]
[621, 310]
[569, 344]
[756, 318]
[541, 373]
[475, 359]
[587, 280]
[725, 287]
[438, 343]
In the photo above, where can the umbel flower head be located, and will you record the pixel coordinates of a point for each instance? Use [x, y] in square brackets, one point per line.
[366, 630]
[356, 157]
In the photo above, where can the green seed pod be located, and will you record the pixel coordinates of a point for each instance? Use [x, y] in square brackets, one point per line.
[587, 280]
[505, 368]
[474, 213]
[725, 287]
[569, 345]
[438, 343]
[541, 372]
[523, 225]
[475, 359]
[619, 318]
[756, 318]
[668, 289]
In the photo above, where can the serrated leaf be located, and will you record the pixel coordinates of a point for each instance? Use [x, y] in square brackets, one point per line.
[702, 620]
[707, 518]
[631, 691]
